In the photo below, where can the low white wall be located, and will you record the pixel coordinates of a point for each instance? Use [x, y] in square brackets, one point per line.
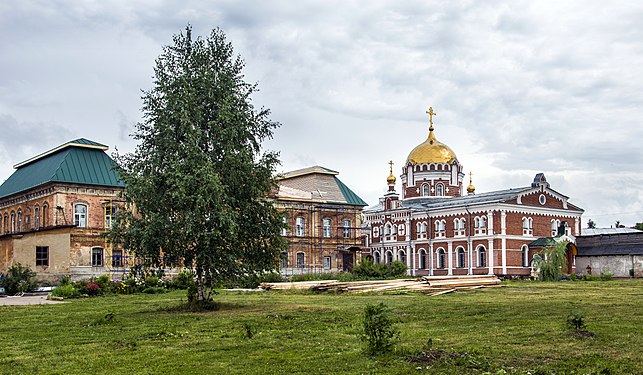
[618, 265]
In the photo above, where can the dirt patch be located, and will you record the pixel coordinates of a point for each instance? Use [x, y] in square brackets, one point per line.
[433, 355]
[26, 300]
[582, 334]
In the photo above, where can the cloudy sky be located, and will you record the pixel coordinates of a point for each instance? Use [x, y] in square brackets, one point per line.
[520, 87]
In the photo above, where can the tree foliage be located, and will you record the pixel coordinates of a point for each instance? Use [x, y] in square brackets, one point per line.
[551, 262]
[197, 181]
[591, 224]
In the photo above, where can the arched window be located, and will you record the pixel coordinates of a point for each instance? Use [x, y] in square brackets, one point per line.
[476, 222]
[45, 215]
[458, 227]
[6, 223]
[527, 226]
[376, 231]
[482, 256]
[555, 223]
[401, 256]
[80, 215]
[299, 227]
[284, 259]
[19, 220]
[441, 259]
[439, 190]
[36, 217]
[377, 257]
[13, 222]
[326, 228]
[389, 256]
[460, 252]
[525, 256]
[1, 225]
[483, 222]
[422, 259]
[284, 229]
[425, 190]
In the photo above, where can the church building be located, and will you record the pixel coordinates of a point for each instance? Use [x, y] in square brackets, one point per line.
[437, 226]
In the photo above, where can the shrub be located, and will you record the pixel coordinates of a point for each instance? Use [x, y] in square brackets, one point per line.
[379, 332]
[183, 280]
[154, 290]
[368, 268]
[576, 321]
[605, 276]
[397, 268]
[88, 288]
[65, 291]
[18, 279]
[551, 262]
[105, 284]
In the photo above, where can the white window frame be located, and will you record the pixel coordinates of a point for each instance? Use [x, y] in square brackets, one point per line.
[300, 225]
[98, 257]
[80, 218]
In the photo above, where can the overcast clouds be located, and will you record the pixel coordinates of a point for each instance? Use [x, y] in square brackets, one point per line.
[519, 87]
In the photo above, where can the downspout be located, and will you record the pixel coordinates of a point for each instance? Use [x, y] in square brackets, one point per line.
[470, 251]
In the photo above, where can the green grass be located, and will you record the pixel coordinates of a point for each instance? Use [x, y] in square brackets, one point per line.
[519, 329]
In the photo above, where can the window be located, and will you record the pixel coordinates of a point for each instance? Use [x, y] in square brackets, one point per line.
[482, 256]
[441, 259]
[6, 223]
[389, 256]
[117, 258]
[45, 215]
[480, 225]
[1, 227]
[440, 228]
[36, 218]
[402, 256]
[19, 220]
[284, 230]
[13, 222]
[97, 257]
[299, 227]
[300, 260]
[284, 260]
[458, 227]
[347, 228]
[377, 257]
[460, 252]
[42, 256]
[422, 259]
[80, 215]
[327, 263]
[525, 256]
[555, 223]
[439, 190]
[326, 228]
[110, 211]
[527, 226]
[425, 190]
[542, 200]
[376, 231]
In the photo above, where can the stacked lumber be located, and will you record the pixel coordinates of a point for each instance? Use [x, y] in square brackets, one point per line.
[430, 285]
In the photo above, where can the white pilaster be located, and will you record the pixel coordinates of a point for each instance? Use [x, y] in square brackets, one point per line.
[491, 257]
[450, 255]
[430, 259]
[503, 232]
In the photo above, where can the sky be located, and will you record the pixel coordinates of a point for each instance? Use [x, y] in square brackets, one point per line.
[519, 87]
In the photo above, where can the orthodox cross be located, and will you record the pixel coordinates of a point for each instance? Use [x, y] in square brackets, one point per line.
[391, 164]
[431, 114]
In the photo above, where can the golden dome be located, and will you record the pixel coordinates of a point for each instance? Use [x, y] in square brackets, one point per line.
[431, 150]
[471, 189]
[391, 179]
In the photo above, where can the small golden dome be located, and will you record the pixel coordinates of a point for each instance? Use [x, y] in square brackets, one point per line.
[471, 189]
[391, 179]
[431, 150]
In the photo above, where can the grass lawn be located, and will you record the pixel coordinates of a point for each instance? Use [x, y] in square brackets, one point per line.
[519, 328]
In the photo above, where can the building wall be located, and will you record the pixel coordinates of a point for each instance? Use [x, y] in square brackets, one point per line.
[618, 265]
[56, 240]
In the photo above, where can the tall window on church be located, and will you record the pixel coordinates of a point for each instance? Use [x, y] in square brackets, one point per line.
[377, 257]
[299, 227]
[425, 190]
[389, 256]
[13, 222]
[525, 256]
[555, 223]
[527, 226]
[326, 228]
[36, 218]
[402, 256]
[460, 252]
[422, 259]
[482, 256]
[439, 190]
[441, 259]
[80, 215]
[45, 215]
[301, 260]
[19, 220]
[6, 224]
[1, 224]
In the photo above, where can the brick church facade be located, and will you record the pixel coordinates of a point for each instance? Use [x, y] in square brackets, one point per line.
[438, 229]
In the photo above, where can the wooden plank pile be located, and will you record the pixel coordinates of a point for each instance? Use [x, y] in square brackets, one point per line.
[430, 285]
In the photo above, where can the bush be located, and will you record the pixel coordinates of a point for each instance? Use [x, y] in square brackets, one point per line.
[368, 268]
[88, 287]
[65, 291]
[576, 321]
[105, 284]
[605, 276]
[18, 279]
[379, 333]
[183, 280]
[154, 290]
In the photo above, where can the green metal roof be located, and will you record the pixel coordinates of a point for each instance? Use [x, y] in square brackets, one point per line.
[543, 242]
[349, 195]
[78, 162]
